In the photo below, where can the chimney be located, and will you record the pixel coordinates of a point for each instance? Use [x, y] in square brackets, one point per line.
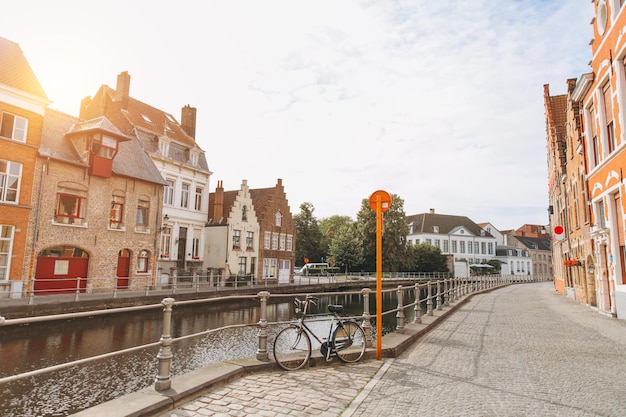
[218, 206]
[84, 103]
[188, 120]
[432, 211]
[122, 89]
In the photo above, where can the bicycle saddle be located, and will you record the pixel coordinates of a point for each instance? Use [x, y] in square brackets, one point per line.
[335, 308]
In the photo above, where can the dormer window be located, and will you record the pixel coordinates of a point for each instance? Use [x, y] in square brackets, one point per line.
[102, 151]
[435, 229]
[193, 159]
[164, 147]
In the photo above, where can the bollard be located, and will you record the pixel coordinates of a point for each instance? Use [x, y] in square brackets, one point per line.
[400, 313]
[163, 381]
[418, 305]
[261, 353]
[429, 300]
[367, 318]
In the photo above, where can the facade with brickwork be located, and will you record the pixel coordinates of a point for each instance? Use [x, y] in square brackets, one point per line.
[96, 217]
[277, 234]
[586, 160]
[22, 106]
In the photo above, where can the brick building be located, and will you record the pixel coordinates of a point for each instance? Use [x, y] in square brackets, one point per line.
[277, 234]
[97, 213]
[22, 106]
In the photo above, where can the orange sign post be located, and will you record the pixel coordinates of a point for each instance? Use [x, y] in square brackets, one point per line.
[380, 201]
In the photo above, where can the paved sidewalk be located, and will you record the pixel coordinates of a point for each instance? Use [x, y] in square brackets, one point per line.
[522, 350]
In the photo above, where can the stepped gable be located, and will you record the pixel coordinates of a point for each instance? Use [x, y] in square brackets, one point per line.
[15, 71]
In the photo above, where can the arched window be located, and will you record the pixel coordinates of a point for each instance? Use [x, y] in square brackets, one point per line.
[143, 261]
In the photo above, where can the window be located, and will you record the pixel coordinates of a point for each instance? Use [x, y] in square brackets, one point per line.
[429, 242]
[236, 239]
[13, 127]
[104, 146]
[242, 265]
[198, 201]
[435, 229]
[608, 110]
[244, 214]
[454, 246]
[143, 208]
[249, 240]
[600, 220]
[470, 247]
[10, 175]
[462, 245]
[274, 241]
[446, 246]
[195, 246]
[184, 195]
[278, 219]
[595, 150]
[164, 147]
[289, 243]
[116, 215]
[6, 243]
[266, 240]
[143, 258]
[476, 247]
[437, 243]
[166, 237]
[483, 248]
[194, 159]
[490, 246]
[70, 208]
[168, 193]
[269, 268]
[282, 242]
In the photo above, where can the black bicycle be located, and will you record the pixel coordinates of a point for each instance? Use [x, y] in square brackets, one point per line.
[346, 338]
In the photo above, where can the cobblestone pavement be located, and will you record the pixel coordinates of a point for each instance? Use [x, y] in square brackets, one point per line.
[522, 350]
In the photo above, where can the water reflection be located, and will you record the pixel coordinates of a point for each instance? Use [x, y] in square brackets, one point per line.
[68, 391]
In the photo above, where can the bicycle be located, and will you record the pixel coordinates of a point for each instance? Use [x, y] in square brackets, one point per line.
[292, 345]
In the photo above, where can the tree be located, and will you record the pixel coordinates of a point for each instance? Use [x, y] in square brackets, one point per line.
[426, 258]
[328, 228]
[395, 231]
[308, 235]
[346, 247]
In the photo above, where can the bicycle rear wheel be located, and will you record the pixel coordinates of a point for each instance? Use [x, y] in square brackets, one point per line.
[349, 341]
[292, 348]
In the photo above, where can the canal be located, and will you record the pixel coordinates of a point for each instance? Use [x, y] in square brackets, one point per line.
[60, 393]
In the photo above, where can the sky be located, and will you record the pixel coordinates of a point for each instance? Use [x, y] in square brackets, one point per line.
[437, 102]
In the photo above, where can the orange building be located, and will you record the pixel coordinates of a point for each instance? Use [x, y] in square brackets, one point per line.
[603, 96]
[22, 106]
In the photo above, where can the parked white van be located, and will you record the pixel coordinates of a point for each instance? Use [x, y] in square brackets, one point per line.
[313, 265]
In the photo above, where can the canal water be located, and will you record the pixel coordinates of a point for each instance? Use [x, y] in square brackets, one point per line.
[60, 393]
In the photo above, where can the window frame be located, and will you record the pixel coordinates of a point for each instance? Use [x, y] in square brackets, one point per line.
[13, 127]
[6, 181]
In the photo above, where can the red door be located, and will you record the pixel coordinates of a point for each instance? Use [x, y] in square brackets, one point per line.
[59, 274]
[123, 266]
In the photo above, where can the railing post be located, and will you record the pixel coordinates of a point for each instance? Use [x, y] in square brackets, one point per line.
[31, 293]
[174, 283]
[429, 300]
[367, 318]
[115, 279]
[446, 290]
[163, 381]
[418, 304]
[400, 313]
[77, 289]
[261, 353]
[439, 296]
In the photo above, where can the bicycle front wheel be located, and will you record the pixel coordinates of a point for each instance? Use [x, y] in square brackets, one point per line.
[349, 341]
[292, 348]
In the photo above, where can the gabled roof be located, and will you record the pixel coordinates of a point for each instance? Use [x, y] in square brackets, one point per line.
[535, 243]
[130, 161]
[425, 222]
[15, 72]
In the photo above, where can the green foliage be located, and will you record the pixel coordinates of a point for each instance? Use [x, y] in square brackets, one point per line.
[426, 258]
[308, 235]
[345, 248]
[395, 230]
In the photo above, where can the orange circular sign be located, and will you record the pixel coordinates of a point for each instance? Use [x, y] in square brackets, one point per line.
[385, 200]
